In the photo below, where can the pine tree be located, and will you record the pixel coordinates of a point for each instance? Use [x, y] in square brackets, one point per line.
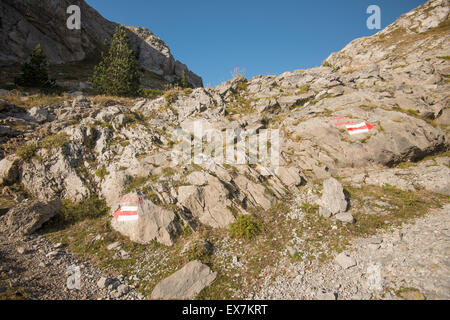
[34, 73]
[184, 82]
[117, 74]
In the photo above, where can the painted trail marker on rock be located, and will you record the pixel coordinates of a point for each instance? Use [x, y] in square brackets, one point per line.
[360, 128]
[129, 209]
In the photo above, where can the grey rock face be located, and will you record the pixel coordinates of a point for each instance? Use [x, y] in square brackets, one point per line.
[28, 216]
[25, 23]
[186, 283]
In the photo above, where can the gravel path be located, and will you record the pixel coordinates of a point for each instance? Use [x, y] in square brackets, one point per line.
[413, 262]
[42, 270]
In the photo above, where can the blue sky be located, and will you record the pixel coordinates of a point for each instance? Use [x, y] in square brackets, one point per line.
[263, 37]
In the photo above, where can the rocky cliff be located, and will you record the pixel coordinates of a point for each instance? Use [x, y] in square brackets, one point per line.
[25, 23]
[364, 145]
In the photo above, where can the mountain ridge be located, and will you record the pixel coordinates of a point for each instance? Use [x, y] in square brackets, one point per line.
[25, 23]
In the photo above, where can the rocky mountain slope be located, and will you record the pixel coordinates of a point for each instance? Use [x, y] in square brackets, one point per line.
[332, 186]
[25, 23]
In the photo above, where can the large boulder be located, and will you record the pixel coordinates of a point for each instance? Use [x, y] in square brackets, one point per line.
[333, 199]
[150, 222]
[28, 216]
[186, 283]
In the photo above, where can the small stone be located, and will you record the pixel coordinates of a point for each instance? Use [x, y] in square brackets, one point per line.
[104, 282]
[114, 246]
[21, 250]
[124, 255]
[58, 245]
[97, 238]
[345, 217]
[123, 289]
[53, 254]
[291, 251]
[345, 261]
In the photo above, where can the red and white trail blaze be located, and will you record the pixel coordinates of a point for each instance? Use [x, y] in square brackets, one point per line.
[360, 128]
[126, 214]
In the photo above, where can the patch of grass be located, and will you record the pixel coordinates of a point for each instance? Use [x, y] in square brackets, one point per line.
[106, 125]
[187, 91]
[56, 141]
[245, 227]
[408, 293]
[18, 99]
[413, 112]
[135, 183]
[327, 64]
[106, 100]
[309, 208]
[368, 108]
[444, 57]
[197, 251]
[124, 143]
[151, 93]
[26, 151]
[241, 87]
[304, 88]
[72, 213]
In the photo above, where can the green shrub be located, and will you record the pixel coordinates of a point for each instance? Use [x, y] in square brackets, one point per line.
[245, 227]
